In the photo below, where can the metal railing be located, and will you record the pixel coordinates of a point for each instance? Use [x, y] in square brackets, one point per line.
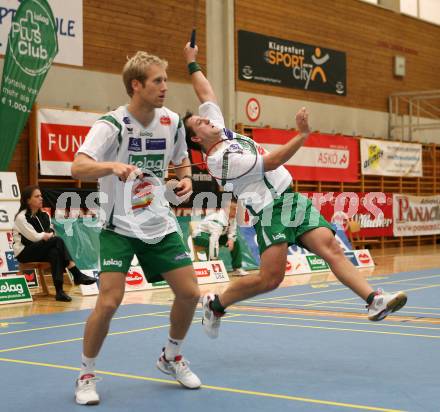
[411, 113]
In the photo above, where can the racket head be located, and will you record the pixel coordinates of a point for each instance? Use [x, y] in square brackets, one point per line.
[237, 159]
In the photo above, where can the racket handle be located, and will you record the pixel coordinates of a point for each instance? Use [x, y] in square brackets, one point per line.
[193, 39]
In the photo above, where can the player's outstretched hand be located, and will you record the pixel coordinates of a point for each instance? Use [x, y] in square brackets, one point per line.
[302, 121]
[190, 52]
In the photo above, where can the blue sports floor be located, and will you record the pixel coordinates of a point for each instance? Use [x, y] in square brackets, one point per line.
[302, 348]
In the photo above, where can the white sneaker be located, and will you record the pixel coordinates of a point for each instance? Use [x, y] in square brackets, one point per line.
[85, 390]
[385, 303]
[210, 322]
[179, 369]
[240, 272]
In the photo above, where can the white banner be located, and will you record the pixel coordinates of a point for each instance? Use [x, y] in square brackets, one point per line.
[416, 215]
[9, 189]
[8, 210]
[383, 158]
[317, 157]
[69, 22]
[297, 264]
[363, 258]
[60, 133]
[8, 263]
[212, 271]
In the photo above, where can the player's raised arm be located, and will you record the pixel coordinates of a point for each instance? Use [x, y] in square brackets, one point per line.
[282, 154]
[201, 84]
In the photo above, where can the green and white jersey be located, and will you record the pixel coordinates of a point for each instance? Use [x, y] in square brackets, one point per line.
[137, 208]
[256, 188]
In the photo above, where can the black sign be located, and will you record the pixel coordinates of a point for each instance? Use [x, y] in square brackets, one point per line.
[285, 63]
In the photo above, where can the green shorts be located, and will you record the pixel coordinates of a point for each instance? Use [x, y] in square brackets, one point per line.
[117, 251]
[286, 219]
[203, 240]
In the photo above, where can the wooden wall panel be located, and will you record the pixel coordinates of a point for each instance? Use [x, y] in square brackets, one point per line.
[20, 159]
[369, 35]
[115, 29]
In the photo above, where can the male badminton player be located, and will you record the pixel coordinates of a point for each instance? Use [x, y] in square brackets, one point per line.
[282, 217]
[138, 137]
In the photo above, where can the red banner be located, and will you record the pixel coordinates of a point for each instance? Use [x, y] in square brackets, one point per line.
[60, 142]
[324, 157]
[373, 210]
[60, 133]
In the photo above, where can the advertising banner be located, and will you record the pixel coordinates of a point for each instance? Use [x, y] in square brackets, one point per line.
[9, 189]
[211, 271]
[373, 210]
[416, 215]
[68, 23]
[60, 133]
[363, 258]
[383, 158]
[8, 210]
[324, 157]
[14, 289]
[32, 46]
[288, 63]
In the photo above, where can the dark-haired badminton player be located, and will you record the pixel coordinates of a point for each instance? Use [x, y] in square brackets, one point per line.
[282, 217]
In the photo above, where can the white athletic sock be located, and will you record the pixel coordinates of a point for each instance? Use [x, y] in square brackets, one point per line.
[172, 348]
[87, 366]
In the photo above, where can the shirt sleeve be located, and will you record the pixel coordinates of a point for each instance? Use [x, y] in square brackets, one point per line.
[102, 137]
[180, 149]
[213, 112]
[26, 229]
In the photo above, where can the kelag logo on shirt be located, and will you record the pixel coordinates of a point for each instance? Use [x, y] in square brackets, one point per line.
[134, 144]
[155, 144]
[153, 162]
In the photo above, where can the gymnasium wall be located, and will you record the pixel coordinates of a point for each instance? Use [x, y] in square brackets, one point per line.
[369, 35]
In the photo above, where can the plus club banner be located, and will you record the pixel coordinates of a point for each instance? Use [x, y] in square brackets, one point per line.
[287, 63]
[32, 46]
[324, 157]
[60, 133]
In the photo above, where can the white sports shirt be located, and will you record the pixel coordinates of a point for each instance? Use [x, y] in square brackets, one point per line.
[137, 208]
[256, 188]
[217, 224]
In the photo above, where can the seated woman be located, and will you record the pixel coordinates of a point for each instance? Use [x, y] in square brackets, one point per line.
[35, 241]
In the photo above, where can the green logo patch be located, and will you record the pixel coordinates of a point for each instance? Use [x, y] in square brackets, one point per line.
[317, 263]
[152, 162]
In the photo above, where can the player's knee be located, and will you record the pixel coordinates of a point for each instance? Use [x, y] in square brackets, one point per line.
[272, 282]
[189, 294]
[107, 307]
[331, 250]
